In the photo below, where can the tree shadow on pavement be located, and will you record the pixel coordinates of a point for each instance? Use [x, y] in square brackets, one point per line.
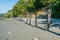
[54, 33]
[58, 34]
[49, 31]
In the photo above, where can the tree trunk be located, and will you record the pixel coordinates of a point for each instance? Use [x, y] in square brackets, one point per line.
[48, 19]
[20, 18]
[23, 19]
[47, 28]
[27, 19]
[30, 19]
[35, 19]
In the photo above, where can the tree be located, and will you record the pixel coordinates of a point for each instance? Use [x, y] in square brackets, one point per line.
[15, 11]
[21, 7]
[37, 6]
[53, 4]
[30, 9]
[34, 6]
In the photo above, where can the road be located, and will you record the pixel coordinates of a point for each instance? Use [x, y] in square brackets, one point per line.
[11, 29]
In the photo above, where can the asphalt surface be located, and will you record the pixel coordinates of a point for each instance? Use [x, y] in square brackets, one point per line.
[11, 29]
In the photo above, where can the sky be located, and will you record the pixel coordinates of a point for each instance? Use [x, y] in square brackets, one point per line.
[6, 5]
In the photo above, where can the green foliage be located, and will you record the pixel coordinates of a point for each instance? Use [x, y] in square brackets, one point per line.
[56, 9]
[21, 8]
[33, 6]
[8, 14]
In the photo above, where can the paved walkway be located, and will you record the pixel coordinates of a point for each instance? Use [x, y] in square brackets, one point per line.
[16, 30]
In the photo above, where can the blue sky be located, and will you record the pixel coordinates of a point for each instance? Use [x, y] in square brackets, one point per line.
[6, 5]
